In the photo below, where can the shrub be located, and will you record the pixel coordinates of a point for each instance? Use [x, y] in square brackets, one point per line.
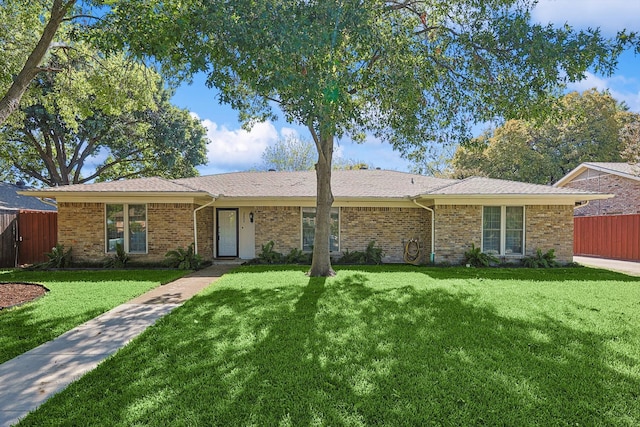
[371, 255]
[540, 260]
[268, 255]
[58, 257]
[355, 257]
[476, 258]
[184, 259]
[119, 259]
[296, 256]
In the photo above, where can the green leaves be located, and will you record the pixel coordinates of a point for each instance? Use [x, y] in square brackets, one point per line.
[585, 127]
[100, 117]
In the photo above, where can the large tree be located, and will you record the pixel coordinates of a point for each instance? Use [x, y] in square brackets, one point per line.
[67, 131]
[289, 154]
[27, 32]
[585, 127]
[410, 72]
[630, 135]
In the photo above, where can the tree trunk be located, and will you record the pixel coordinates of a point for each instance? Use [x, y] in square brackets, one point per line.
[321, 262]
[11, 100]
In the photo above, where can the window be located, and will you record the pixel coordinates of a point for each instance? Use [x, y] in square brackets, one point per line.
[309, 229]
[503, 230]
[126, 224]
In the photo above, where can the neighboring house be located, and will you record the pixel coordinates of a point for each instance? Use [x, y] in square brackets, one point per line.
[27, 226]
[620, 179]
[608, 228]
[234, 214]
[11, 200]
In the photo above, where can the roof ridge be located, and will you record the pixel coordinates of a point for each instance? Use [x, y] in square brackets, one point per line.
[450, 184]
[174, 181]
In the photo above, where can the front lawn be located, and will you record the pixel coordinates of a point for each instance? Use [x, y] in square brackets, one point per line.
[390, 345]
[73, 298]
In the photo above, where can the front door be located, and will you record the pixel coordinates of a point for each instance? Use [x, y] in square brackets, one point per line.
[227, 220]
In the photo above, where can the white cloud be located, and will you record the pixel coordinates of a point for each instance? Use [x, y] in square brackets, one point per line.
[237, 149]
[609, 15]
[618, 87]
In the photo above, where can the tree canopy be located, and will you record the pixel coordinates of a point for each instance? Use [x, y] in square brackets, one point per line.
[68, 131]
[586, 127]
[289, 154]
[409, 72]
[27, 32]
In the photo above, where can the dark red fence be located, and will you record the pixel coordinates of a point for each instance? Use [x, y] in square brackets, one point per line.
[37, 234]
[8, 234]
[611, 236]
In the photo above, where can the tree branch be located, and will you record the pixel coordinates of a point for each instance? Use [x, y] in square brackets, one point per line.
[11, 100]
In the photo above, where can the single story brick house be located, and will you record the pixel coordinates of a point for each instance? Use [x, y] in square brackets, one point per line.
[620, 179]
[231, 215]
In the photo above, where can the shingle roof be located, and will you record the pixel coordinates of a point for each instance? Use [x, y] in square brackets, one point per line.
[10, 199]
[344, 183]
[366, 184]
[626, 170]
[138, 185]
[620, 167]
[487, 186]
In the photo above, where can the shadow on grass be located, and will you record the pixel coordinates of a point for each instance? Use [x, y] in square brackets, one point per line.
[23, 329]
[341, 352]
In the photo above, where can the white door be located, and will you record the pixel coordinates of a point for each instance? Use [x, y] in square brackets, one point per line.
[227, 232]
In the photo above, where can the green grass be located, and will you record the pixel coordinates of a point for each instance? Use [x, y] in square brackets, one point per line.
[73, 298]
[389, 345]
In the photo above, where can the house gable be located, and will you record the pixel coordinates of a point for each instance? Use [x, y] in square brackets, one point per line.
[614, 178]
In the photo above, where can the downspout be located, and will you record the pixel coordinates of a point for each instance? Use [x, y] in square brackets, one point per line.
[432, 257]
[195, 223]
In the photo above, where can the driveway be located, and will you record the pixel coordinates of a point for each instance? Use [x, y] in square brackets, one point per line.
[627, 267]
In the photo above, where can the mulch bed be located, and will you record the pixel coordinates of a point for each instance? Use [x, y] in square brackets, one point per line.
[12, 294]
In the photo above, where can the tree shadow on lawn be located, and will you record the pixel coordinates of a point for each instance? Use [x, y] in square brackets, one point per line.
[23, 331]
[339, 352]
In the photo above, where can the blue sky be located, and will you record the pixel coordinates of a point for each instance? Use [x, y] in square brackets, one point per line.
[233, 149]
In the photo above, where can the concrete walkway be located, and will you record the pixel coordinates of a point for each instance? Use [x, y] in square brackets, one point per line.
[31, 378]
[627, 267]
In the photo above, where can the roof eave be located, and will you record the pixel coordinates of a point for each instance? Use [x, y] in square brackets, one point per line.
[519, 198]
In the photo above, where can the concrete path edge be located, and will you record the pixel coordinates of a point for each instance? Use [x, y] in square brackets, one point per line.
[28, 380]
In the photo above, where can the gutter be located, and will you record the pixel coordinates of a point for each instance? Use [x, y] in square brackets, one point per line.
[432, 257]
[195, 224]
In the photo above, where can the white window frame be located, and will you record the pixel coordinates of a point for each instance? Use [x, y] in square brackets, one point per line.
[309, 209]
[126, 236]
[503, 230]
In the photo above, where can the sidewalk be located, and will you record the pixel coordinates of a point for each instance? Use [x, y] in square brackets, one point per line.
[31, 378]
[627, 267]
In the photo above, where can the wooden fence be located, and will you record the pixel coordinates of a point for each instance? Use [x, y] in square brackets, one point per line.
[26, 236]
[38, 233]
[611, 236]
[8, 236]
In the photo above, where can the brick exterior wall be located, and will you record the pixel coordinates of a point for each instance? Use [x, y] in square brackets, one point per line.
[204, 219]
[81, 228]
[457, 227]
[550, 227]
[626, 200]
[282, 224]
[390, 228]
[169, 226]
[546, 227]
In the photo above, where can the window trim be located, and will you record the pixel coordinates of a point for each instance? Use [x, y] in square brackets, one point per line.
[309, 208]
[126, 235]
[503, 230]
